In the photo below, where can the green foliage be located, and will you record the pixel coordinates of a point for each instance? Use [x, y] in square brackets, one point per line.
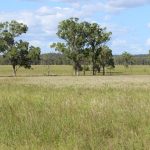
[71, 31]
[18, 53]
[54, 59]
[106, 58]
[22, 55]
[127, 58]
[3, 45]
[34, 54]
[82, 41]
[12, 28]
[61, 47]
[140, 59]
[96, 37]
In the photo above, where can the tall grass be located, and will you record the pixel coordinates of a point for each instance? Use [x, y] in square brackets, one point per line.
[98, 113]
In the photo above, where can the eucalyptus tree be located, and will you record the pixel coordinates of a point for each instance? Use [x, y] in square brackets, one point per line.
[106, 58]
[18, 52]
[71, 31]
[22, 55]
[3, 45]
[34, 54]
[96, 37]
[127, 59]
[11, 30]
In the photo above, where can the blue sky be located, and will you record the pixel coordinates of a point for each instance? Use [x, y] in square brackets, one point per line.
[129, 21]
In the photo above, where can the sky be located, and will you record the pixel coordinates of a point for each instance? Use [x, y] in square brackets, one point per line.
[128, 20]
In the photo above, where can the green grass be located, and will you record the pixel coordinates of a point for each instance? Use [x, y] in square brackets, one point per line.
[39, 70]
[80, 113]
[66, 70]
[133, 70]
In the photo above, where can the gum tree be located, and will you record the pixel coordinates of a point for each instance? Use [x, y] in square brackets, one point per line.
[21, 55]
[18, 52]
[72, 33]
[106, 58]
[127, 59]
[96, 37]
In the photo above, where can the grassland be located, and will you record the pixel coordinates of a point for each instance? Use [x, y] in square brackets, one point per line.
[79, 113]
[68, 70]
[63, 112]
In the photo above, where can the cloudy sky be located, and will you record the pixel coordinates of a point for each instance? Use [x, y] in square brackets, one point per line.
[129, 20]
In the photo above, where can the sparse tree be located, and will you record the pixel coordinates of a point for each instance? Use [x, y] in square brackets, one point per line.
[34, 54]
[18, 53]
[96, 37]
[71, 31]
[46, 60]
[127, 59]
[106, 58]
[21, 55]
[3, 45]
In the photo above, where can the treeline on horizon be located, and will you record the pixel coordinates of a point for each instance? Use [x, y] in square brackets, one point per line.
[60, 59]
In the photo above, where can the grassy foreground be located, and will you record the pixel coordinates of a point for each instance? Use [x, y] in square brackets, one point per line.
[79, 113]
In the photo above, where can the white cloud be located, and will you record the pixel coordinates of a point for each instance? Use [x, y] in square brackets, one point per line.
[36, 43]
[148, 42]
[119, 42]
[107, 5]
[127, 4]
[43, 22]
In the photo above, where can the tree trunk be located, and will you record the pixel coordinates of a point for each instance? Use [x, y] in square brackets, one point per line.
[103, 70]
[84, 71]
[76, 68]
[110, 72]
[77, 72]
[14, 70]
[48, 70]
[84, 68]
[93, 68]
[99, 69]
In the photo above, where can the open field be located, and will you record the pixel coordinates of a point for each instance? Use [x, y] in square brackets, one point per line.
[66, 70]
[80, 113]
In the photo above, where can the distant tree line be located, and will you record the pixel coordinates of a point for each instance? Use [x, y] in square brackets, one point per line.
[54, 59]
[141, 59]
[60, 59]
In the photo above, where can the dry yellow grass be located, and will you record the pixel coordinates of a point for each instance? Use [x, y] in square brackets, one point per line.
[82, 81]
[81, 113]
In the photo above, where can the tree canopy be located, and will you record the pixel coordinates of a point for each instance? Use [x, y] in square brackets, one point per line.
[71, 31]
[82, 40]
[127, 58]
[19, 52]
